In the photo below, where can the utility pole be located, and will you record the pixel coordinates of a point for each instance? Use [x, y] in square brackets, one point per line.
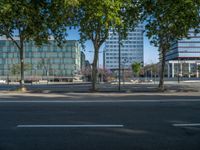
[7, 70]
[119, 58]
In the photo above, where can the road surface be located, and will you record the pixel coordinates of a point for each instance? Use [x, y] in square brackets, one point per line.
[134, 124]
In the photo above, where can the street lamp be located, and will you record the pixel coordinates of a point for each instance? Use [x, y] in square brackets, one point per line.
[119, 60]
[7, 69]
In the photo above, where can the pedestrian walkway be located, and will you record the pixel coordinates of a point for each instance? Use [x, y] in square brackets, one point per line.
[105, 87]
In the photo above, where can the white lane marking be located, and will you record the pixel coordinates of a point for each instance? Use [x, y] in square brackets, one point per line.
[71, 126]
[99, 101]
[186, 125]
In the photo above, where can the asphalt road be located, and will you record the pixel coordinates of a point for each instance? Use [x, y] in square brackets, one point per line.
[128, 125]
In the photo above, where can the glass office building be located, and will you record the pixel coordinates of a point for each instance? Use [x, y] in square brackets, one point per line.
[131, 49]
[46, 62]
[183, 59]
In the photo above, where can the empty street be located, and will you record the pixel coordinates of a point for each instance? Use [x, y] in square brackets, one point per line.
[132, 123]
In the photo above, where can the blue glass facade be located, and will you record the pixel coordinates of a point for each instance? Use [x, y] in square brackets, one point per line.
[40, 62]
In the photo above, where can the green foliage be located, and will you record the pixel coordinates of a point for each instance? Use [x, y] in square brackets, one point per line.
[15, 69]
[32, 20]
[95, 18]
[136, 68]
[198, 68]
[168, 21]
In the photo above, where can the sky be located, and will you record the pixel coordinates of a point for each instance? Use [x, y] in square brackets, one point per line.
[150, 52]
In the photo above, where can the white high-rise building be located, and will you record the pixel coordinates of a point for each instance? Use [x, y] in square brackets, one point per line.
[131, 49]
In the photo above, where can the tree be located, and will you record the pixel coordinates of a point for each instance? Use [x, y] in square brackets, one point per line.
[136, 68]
[15, 69]
[32, 21]
[44, 65]
[97, 17]
[168, 21]
[104, 74]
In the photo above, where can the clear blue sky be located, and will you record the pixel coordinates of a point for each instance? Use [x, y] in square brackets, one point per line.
[150, 52]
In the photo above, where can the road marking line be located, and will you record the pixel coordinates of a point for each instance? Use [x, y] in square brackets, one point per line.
[99, 101]
[186, 125]
[70, 126]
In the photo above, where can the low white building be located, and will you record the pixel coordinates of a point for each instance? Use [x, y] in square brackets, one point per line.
[183, 68]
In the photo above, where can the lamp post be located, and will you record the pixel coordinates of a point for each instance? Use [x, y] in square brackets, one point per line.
[35, 69]
[7, 69]
[178, 70]
[119, 59]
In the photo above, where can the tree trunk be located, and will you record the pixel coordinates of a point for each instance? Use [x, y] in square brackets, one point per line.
[94, 67]
[162, 71]
[21, 65]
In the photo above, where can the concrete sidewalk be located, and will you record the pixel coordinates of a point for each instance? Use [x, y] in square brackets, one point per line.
[106, 88]
[133, 88]
[5, 95]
